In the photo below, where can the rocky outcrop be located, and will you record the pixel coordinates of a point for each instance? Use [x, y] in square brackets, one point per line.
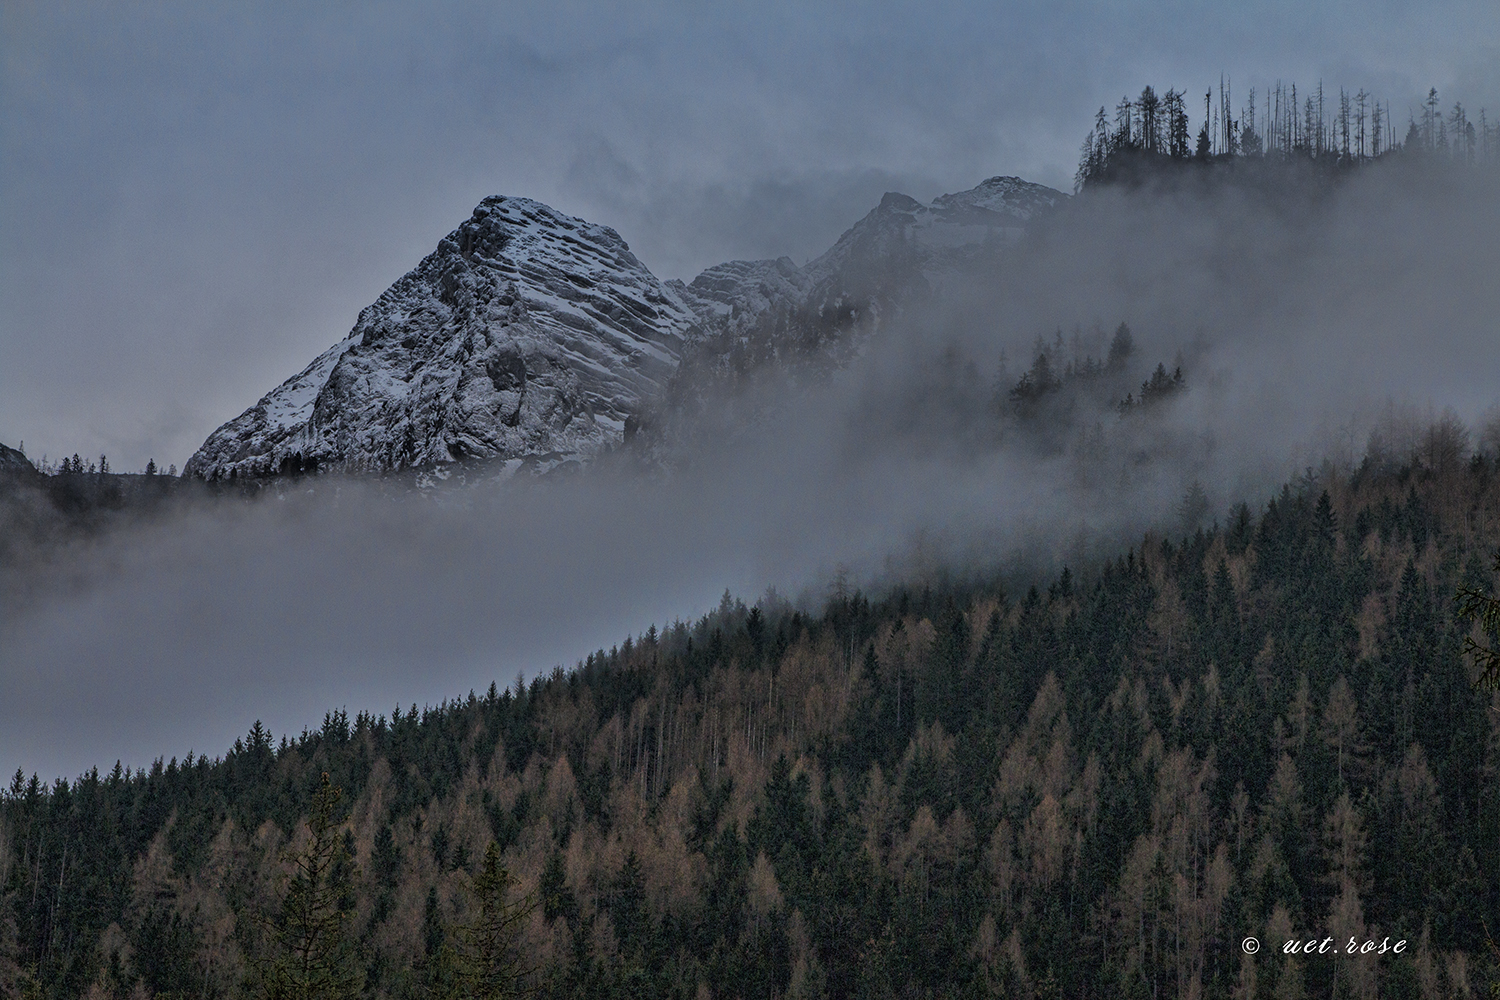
[15, 465]
[902, 244]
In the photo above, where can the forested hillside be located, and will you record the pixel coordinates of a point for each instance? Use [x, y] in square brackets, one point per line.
[1097, 785]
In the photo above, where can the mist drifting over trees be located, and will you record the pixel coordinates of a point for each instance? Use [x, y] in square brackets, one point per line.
[1118, 564]
[1105, 783]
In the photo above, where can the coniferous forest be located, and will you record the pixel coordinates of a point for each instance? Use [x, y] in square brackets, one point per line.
[1103, 783]
[1151, 134]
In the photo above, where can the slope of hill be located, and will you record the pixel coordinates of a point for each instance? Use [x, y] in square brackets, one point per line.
[902, 242]
[1101, 786]
[14, 464]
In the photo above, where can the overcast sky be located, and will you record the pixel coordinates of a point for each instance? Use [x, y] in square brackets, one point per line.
[197, 199]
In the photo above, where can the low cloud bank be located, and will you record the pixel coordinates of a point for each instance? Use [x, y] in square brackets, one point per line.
[1301, 325]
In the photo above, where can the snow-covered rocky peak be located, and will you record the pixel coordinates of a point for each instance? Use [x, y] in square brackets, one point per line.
[733, 295]
[527, 334]
[902, 234]
[1003, 196]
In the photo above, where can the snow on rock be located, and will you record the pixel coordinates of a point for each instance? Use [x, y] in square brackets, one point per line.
[732, 296]
[525, 333]
[529, 336]
[902, 241]
[14, 463]
[1005, 197]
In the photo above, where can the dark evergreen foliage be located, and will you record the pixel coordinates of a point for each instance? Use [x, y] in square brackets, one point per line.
[1148, 138]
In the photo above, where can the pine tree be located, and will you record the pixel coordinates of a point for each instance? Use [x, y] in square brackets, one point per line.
[314, 957]
[1120, 347]
[1193, 507]
[1476, 606]
[1178, 135]
[628, 906]
[1124, 136]
[1150, 109]
[490, 962]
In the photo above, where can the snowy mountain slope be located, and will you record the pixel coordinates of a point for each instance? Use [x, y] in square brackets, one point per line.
[530, 336]
[734, 295]
[770, 323]
[903, 239]
[900, 245]
[526, 333]
[1002, 201]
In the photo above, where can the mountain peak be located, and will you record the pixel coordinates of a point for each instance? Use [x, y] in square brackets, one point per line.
[895, 201]
[933, 237]
[15, 463]
[1003, 195]
[527, 334]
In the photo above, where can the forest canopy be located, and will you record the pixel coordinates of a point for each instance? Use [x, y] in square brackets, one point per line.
[1151, 131]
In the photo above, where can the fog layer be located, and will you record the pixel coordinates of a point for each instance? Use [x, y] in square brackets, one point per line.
[1301, 324]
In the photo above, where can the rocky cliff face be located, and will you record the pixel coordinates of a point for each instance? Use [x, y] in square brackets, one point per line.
[529, 336]
[732, 297]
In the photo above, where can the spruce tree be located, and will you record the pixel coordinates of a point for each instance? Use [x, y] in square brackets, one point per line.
[1476, 606]
[491, 963]
[314, 958]
[1120, 347]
